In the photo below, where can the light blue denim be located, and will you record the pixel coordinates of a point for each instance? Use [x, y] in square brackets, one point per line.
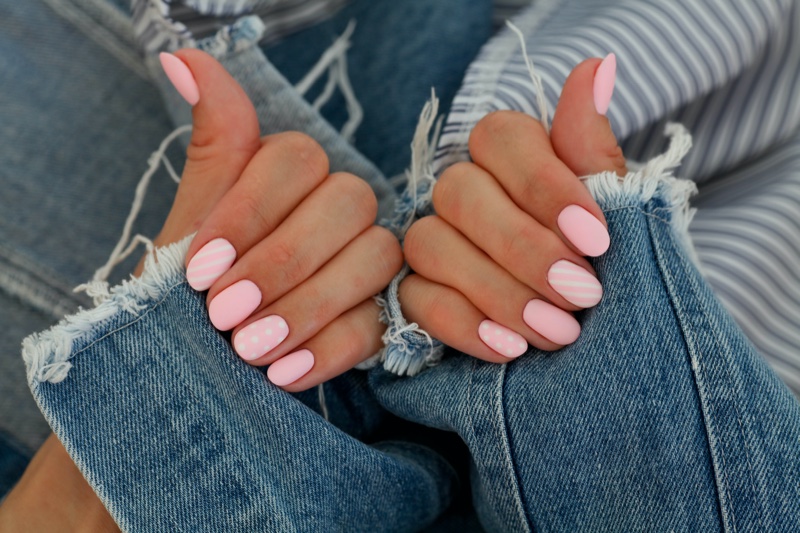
[660, 417]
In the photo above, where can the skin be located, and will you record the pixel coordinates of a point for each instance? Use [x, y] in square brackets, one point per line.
[228, 162]
[521, 179]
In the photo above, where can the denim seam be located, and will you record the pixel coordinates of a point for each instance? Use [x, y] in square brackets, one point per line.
[703, 391]
[722, 342]
[509, 461]
[104, 25]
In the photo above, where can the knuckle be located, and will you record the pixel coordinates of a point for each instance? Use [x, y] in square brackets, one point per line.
[357, 193]
[448, 188]
[389, 251]
[503, 124]
[517, 245]
[418, 241]
[287, 261]
[429, 308]
[305, 149]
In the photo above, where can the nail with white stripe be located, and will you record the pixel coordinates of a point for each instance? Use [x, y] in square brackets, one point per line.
[575, 284]
[208, 264]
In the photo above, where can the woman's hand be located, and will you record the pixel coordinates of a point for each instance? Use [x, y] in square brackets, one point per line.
[502, 264]
[289, 253]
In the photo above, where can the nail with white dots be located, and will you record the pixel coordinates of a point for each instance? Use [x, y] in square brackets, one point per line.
[502, 340]
[260, 337]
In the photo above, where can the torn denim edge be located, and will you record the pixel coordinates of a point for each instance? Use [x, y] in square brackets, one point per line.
[654, 179]
[233, 38]
[47, 354]
[408, 348]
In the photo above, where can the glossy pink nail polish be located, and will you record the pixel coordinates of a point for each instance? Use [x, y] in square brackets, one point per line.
[290, 368]
[575, 284]
[550, 322]
[501, 339]
[260, 337]
[604, 78]
[583, 230]
[230, 307]
[209, 263]
[181, 77]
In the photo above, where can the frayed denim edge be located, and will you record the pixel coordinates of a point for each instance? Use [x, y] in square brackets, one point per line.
[46, 354]
[654, 179]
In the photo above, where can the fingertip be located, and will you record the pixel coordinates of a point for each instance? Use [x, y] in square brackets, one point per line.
[581, 134]
[603, 85]
[290, 368]
[181, 77]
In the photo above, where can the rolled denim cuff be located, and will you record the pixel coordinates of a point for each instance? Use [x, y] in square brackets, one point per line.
[409, 349]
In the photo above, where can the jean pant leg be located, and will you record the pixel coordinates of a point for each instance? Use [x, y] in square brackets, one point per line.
[176, 433]
[660, 417]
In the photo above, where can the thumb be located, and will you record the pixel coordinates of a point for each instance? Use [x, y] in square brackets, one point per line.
[225, 137]
[581, 134]
[225, 133]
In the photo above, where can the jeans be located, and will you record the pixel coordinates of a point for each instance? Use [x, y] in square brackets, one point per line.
[661, 416]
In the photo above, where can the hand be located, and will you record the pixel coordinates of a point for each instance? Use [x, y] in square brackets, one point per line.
[502, 263]
[289, 254]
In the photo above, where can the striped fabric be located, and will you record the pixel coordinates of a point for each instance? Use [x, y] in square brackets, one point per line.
[729, 71]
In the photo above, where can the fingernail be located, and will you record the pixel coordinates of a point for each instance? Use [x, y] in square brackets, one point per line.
[290, 368]
[550, 322]
[234, 304]
[584, 230]
[604, 78]
[260, 337]
[181, 77]
[575, 284]
[209, 263]
[501, 339]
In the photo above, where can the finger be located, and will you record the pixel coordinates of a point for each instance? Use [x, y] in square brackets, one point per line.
[362, 269]
[515, 149]
[350, 339]
[335, 213]
[581, 134]
[225, 136]
[449, 316]
[467, 196]
[286, 169]
[431, 243]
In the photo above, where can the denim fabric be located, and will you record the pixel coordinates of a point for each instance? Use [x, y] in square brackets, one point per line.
[660, 417]
[67, 172]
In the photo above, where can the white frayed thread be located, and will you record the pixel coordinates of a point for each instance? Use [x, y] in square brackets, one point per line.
[423, 148]
[97, 287]
[47, 354]
[541, 101]
[397, 355]
[334, 62]
[653, 177]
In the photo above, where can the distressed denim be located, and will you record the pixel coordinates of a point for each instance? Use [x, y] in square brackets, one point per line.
[661, 416]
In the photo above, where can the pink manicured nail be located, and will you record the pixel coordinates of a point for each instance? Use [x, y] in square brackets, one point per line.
[290, 368]
[209, 263]
[575, 284]
[181, 77]
[234, 304]
[604, 78]
[501, 339]
[551, 322]
[588, 234]
[260, 337]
